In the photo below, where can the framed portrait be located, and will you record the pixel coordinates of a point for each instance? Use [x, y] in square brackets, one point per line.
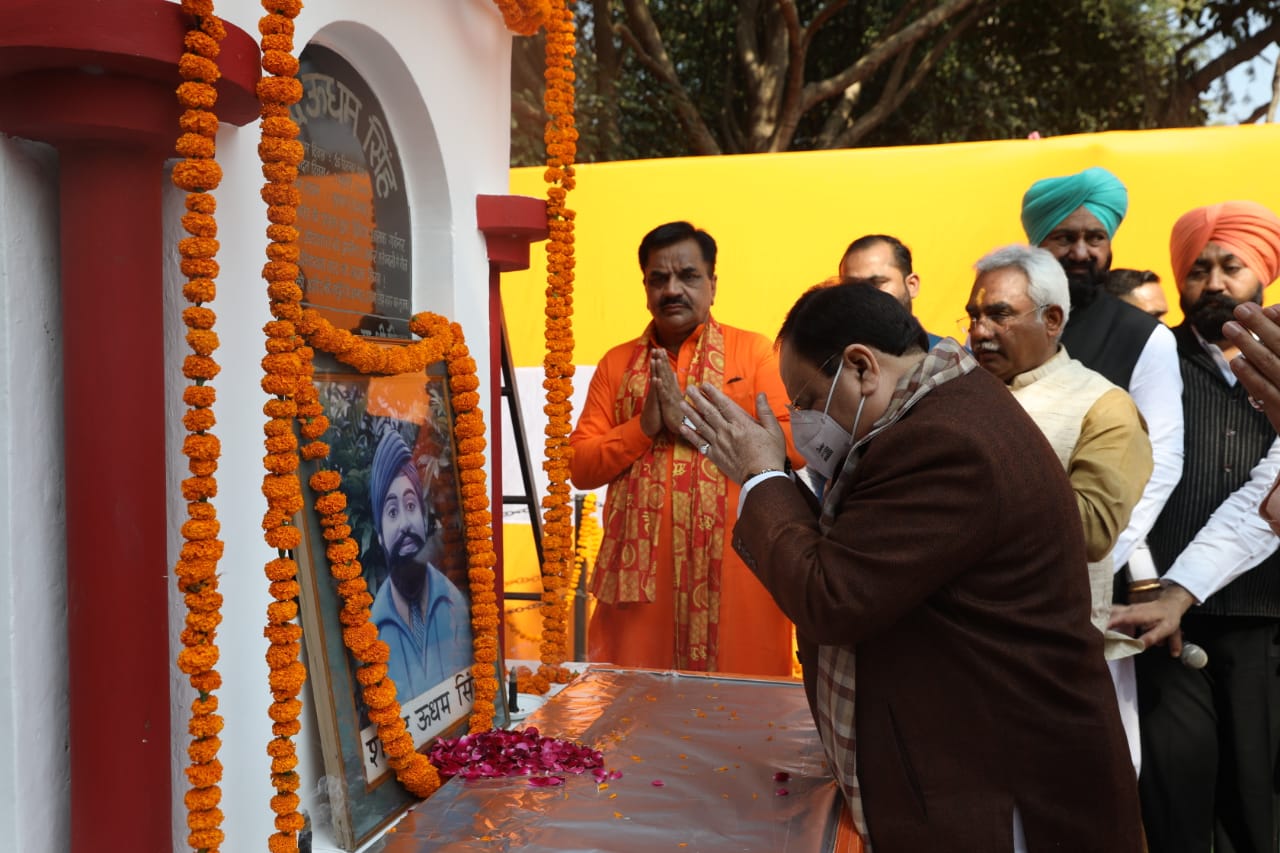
[391, 439]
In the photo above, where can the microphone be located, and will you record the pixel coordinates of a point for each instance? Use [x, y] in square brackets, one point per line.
[1193, 657]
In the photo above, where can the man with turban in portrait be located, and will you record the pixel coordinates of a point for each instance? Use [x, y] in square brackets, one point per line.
[1211, 736]
[420, 614]
[1074, 217]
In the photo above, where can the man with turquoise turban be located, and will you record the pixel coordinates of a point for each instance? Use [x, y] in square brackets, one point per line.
[1075, 218]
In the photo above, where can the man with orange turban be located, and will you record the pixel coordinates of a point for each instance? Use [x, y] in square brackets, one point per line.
[1211, 736]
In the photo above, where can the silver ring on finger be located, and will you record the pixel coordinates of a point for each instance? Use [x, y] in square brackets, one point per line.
[704, 447]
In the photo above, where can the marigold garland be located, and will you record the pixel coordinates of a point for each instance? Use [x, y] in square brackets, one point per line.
[438, 337]
[524, 17]
[283, 367]
[197, 566]
[558, 551]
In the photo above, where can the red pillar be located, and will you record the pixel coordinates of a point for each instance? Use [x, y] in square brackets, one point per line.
[97, 81]
[509, 224]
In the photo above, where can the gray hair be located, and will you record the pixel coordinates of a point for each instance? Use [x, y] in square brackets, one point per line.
[1046, 280]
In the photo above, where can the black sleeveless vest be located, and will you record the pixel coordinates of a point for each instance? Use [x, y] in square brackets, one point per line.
[1225, 438]
[1108, 335]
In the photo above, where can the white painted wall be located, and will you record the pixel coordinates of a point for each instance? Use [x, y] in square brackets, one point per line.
[441, 69]
[34, 775]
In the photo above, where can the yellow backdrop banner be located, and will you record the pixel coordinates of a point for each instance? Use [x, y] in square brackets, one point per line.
[782, 221]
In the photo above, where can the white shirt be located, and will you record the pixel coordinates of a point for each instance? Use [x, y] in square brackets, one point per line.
[1156, 389]
[1235, 538]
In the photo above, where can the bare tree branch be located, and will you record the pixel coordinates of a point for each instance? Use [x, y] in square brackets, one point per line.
[894, 95]
[870, 62]
[1188, 87]
[1241, 52]
[647, 43]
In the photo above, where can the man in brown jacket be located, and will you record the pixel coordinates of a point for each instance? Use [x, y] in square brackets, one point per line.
[947, 561]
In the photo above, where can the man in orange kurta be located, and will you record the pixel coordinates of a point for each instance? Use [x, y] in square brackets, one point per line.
[670, 591]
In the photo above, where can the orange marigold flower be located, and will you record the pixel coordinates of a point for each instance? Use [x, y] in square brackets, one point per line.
[281, 214]
[200, 367]
[289, 822]
[353, 587]
[283, 443]
[385, 715]
[196, 488]
[275, 24]
[287, 8]
[204, 750]
[371, 673]
[287, 681]
[206, 682]
[286, 781]
[204, 725]
[285, 711]
[289, 632]
[282, 409]
[285, 763]
[204, 821]
[313, 450]
[206, 839]
[341, 552]
[202, 341]
[360, 638]
[289, 252]
[277, 41]
[197, 317]
[194, 145]
[200, 799]
[283, 233]
[284, 538]
[279, 612]
[281, 64]
[199, 289]
[201, 44]
[193, 95]
[284, 590]
[198, 268]
[197, 175]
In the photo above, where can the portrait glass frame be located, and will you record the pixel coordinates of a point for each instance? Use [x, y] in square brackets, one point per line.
[363, 792]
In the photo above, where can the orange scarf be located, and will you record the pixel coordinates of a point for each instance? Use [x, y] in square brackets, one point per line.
[633, 513]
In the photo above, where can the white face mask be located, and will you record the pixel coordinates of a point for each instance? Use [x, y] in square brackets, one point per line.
[819, 437]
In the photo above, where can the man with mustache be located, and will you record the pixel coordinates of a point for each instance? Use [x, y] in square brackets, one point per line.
[1211, 737]
[1074, 217]
[1016, 312]
[670, 592]
[420, 614]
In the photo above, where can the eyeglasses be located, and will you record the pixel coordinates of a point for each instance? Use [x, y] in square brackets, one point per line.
[996, 319]
[791, 407]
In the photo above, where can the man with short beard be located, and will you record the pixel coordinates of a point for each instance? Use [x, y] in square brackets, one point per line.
[420, 614]
[1211, 737]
